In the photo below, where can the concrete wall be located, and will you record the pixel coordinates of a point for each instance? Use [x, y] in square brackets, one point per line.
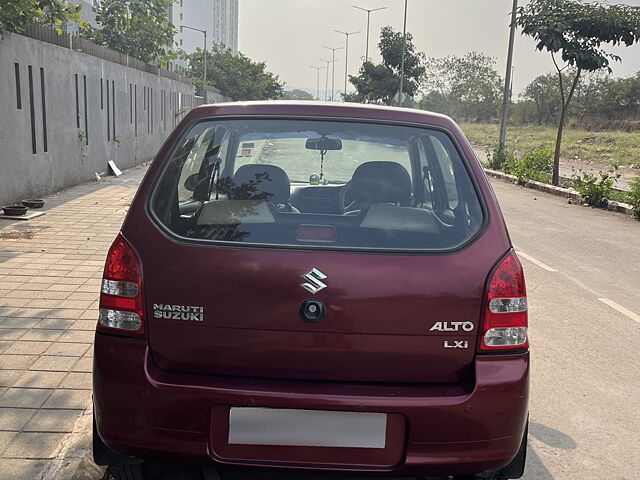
[146, 107]
[213, 95]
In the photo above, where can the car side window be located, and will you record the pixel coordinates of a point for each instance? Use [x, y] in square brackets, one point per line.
[426, 200]
[208, 147]
[448, 174]
[448, 190]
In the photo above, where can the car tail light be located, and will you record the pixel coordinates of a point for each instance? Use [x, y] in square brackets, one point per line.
[121, 294]
[505, 317]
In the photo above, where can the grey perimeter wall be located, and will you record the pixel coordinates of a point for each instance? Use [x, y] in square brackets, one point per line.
[64, 98]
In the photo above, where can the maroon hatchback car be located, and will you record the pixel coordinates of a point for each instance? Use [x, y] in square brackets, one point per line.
[311, 286]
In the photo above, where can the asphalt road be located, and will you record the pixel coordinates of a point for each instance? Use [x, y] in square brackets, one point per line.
[583, 277]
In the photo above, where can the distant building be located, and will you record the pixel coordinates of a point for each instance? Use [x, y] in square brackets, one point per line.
[218, 17]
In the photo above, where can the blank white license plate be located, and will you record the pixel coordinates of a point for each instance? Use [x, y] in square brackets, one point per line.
[306, 428]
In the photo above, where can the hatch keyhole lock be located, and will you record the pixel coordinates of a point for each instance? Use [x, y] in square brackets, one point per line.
[312, 311]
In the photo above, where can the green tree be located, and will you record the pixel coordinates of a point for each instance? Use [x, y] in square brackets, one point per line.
[522, 112]
[435, 101]
[374, 84]
[236, 76]
[297, 94]
[544, 93]
[469, 86]
[16, 14]
[138, 28]
[592, 94]
[577, 30]
[379, 83]
[622, 98]
[598, 98]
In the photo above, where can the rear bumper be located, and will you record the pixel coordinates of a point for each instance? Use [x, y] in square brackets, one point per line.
[468, 428]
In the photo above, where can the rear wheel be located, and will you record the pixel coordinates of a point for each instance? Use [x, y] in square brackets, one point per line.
[124, 471]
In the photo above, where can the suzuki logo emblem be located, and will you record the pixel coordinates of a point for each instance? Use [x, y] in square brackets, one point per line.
[313, 279]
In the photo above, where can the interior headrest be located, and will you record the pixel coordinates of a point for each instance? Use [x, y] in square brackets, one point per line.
[261, 182]
[381, 182]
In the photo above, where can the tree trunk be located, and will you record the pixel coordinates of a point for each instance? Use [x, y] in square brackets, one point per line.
[555, 179]
[539, 111]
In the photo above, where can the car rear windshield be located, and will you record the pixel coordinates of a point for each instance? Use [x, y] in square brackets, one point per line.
[318, 183]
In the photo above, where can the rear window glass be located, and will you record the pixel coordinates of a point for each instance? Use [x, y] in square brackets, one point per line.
[318, 183]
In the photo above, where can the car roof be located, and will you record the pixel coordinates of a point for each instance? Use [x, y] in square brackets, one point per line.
[324, 109]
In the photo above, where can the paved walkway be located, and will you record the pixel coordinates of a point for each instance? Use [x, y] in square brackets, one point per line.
[50, 273]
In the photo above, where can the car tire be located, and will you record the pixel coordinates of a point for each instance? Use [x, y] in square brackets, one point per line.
[152, 471]
[124, 471]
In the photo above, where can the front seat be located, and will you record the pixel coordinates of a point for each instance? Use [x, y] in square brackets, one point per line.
[379, 182]
[263, 182]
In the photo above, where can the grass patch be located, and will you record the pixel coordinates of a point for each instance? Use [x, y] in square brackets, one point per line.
[621, 148]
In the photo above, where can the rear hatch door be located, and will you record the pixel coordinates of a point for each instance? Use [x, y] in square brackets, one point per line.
[389, 318]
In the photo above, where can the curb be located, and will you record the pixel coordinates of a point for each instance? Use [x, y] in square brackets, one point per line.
[75, 459]
[569, 193]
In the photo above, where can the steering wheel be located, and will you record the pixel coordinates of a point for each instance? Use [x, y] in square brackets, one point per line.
[345, 203]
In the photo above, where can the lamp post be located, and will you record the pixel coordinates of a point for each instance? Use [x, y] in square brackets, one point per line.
[317, 69]
[506, 97]
[404, 48]
[204, 83]
[346, 56]
[333, 68]
[326, 83]
[368, 10]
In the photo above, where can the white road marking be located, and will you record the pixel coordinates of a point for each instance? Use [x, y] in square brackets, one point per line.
[535, 261]
[621, 309]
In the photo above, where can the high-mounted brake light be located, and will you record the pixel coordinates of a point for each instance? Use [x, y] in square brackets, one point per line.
[121, 294]
[505, 318]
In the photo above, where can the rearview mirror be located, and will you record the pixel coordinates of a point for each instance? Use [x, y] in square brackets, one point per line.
[323, 143]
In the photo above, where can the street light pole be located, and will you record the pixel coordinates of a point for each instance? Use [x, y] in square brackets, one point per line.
[326, 83]
[346, 56]
[506, 97]
[333, 69]
[404, 48]
[368, 10]
[204, 80]
[318, 80]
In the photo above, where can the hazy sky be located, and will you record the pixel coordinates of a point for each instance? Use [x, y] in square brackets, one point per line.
[289, 34]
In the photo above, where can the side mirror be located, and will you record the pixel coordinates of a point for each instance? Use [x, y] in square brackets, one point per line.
[323, 143]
